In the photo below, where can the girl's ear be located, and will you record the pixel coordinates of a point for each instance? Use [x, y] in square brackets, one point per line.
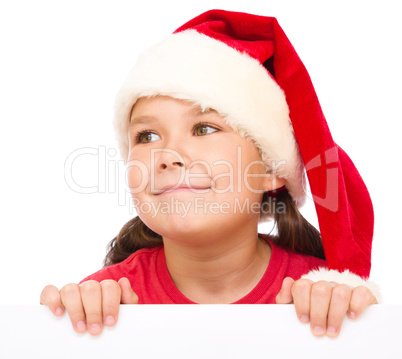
[273, 182]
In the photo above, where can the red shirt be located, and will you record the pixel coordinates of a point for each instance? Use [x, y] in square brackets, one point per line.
[150, 279]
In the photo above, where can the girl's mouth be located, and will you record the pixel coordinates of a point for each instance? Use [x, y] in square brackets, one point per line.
[183, 188]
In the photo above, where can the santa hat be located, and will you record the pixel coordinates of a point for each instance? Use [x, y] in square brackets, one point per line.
[244, 67]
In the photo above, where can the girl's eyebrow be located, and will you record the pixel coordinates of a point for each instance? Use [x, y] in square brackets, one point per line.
[149, 119]
[199, 111]
[142, 119]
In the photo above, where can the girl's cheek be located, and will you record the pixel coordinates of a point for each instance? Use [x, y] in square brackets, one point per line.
[223, 183]
[137, 178]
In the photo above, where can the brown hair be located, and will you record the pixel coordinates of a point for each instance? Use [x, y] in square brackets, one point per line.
[295, 233]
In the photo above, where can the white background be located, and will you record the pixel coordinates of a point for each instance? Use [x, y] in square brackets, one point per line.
[62, 63]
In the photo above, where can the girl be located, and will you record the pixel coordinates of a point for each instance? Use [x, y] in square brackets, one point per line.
[218, 124]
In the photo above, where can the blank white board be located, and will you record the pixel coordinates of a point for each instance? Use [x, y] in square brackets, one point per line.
[199, 331]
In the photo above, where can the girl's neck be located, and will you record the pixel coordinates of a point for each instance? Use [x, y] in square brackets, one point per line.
[222, 272]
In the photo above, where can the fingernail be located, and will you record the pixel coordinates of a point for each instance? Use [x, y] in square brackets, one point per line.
[331, 330]
[81, 326]
[109, 321]
[305, 318]
[352, 314]
[95, 329]
[59, 311]
[318, 330]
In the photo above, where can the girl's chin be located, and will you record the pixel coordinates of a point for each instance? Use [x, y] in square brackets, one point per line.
[179, 225]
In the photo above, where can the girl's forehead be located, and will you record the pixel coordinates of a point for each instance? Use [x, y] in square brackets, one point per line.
[151, 101]
[149, 109]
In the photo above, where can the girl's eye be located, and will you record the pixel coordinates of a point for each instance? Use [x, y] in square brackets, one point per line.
[203, 129]
[200, 129]
[146, 137]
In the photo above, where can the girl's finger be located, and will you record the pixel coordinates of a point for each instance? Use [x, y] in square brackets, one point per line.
[111, 296]
[285, 295]
[91, 295]
[361, 298]
[338, 308]
[301, 292]
[127, 294]
[50, 296]
[319, 306]
[71, 299]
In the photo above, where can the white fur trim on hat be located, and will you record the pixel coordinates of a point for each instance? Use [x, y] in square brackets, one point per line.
[194, 67]
[345, 277]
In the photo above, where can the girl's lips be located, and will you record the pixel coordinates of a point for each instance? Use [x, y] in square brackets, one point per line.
[182, 189]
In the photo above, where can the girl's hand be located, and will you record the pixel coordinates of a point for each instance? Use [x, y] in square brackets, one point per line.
[91, 304]
[324, 304]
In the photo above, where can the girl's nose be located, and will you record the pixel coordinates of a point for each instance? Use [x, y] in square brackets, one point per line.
[164, 166]
[169, 159]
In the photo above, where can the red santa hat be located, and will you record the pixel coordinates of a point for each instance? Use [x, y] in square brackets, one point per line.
[244, 67]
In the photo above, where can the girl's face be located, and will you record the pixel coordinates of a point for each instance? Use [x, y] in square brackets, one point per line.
[189, 172]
